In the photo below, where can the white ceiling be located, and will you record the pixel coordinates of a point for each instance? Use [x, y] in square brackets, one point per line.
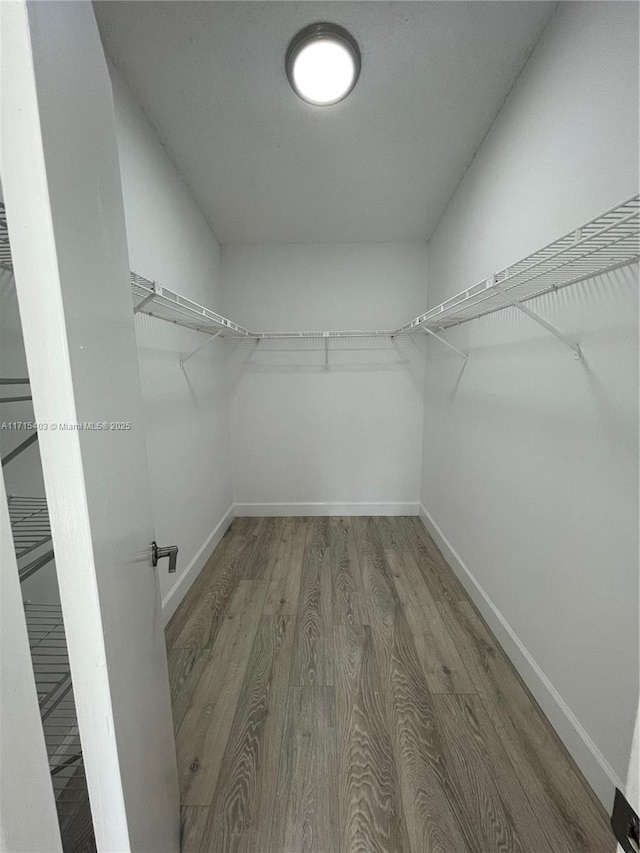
[267, 168]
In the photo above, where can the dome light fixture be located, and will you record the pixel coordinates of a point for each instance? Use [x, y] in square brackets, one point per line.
[323, 64]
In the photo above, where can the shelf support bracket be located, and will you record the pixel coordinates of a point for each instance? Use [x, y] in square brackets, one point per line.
[29, 440]
[573, 345]
[144, 302]
[197, 349]
[326, 352]
[463, 355]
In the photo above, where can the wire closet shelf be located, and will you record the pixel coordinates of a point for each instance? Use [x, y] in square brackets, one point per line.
[29, 518]
[50, 660]
[608, 242]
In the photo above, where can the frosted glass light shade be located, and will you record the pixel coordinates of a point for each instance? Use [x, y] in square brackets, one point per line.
[323, 64]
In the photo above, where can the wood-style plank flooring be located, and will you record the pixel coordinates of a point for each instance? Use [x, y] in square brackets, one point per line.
[335, 691]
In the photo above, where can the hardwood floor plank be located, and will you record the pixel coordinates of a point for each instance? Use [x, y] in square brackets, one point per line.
[571, 820]
[242, 810]
[347, 593]
[260, 565]
[202, 737]
[472, 776]
[185, 669]
[200, 630]
[369, 798]
[193, 824]
[248, 526]
[443, 668]
[476, 750]
[284, 587]
[435, 821]
[306, 817]
[312, 656]
[193, 598]
[440, 579]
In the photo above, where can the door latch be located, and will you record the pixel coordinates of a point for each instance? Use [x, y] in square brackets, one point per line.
[171, 551]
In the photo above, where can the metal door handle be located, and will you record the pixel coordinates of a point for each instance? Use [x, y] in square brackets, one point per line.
[171, 551]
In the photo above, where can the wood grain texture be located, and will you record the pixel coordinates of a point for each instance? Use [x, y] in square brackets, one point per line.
[202, 737]
[185, 669]
[242, 808]
[312, 655]
[369, 797]
[440, 579]
[571, 819]
[474, 747]
[282, 596]
[434, 819]
[193, 825]
[346, 581]
[193, 598]
[200, 630]
[473, 777]
[335, 691]
[260, 566]
[306, 817]
[443, 668]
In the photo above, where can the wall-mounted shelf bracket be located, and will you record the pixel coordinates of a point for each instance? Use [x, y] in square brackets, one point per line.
[573, 345]
[18, 450]
[326, 351]
[140, 306]
[197, 349]
[433, 334]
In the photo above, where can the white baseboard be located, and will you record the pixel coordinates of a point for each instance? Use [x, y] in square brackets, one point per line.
[293, 509]
[584, 751]
[180, 588]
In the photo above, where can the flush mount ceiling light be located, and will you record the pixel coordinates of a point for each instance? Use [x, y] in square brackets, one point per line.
[323, 64]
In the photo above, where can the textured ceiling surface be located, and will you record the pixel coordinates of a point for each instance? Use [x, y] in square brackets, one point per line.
[267, 168]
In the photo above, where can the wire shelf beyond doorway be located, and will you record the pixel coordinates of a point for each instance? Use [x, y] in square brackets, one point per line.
[30, 525]
[52, 673]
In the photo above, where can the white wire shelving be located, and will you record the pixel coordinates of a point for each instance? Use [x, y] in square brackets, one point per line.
[5, 246]
[52, 673]
[31, 533]
[606, 243]
[151, 298]
[602, 245]
[30, 525]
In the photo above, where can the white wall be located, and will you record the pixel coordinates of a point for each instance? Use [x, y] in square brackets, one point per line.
[531, 458]
[306, 439]
[187, 413]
